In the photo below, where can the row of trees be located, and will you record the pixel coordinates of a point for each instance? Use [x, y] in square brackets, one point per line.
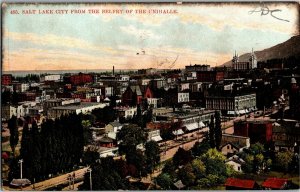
[56, 148]
[215, 131]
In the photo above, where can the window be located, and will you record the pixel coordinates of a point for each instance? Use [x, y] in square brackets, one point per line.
[228, 147]
[239, 168]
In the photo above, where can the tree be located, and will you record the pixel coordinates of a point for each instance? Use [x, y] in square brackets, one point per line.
[130, 136]
[186, 175]
[14, 133]
[213, 154]
[90, 157]
[283, 160]
[259, 162]
[170, 169]
[256, 148]
[104, 176]
[199, 168]
[87, 133]
[218, 129]
[248, 165]
[211, 126]
[152, 153]
[164, 181]
[200, 148]
[182, 157]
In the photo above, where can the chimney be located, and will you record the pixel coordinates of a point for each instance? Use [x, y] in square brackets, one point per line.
[113, 72]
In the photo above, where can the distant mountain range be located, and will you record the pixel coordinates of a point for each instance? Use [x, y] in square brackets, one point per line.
[286, 49]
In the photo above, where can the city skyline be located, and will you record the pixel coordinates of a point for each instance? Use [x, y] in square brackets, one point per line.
[132, 41]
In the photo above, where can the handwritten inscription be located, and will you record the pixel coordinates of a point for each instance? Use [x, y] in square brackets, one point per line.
[264, 10]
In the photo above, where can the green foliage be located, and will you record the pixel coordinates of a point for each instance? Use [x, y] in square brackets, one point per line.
[87, 133]
[186, 175]
[283, 160]
[164, 181]
[104, 177]
[90, 157]
[182, 157]
[256, 148]
[218, 129]
[14, 133]
[58, 147]
[130, 136]
[198, 168]
[248, 165]
[200, 148]
[105, 115]
[152, 153]
[170, 169]
[213, 154]
[211, 126]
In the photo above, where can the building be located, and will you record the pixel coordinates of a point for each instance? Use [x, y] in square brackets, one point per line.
[6, 79]
[243, 142]
[84, 108]
[183, 97]
[59, 102]
[126, 112]
[210, 76]
[154, 134]
[285, 135]
[256, 130]
[232, 105]
[21, 87]
[276, 184]
[132, 96]
[240, 64]
[235, 162]
[113, 127]
[18, 110]
[55, 78]
[240, 184]
[196, 67]
[80, 79]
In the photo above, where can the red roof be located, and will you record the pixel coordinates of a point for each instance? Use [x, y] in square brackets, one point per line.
[274, 183]
[240, 183]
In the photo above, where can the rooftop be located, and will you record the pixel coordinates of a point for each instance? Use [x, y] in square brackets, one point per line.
[240, 183]
[77, 106]
[274, 183]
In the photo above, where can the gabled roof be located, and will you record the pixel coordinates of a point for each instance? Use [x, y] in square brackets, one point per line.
[137, 89]
[240, 183]
[274, 183]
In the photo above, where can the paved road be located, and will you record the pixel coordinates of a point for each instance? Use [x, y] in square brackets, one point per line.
[53, 182]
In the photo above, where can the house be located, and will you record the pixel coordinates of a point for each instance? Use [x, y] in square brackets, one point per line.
[178, 185]
[285, 134]
[276, 183]
[126, 112]
[113, 127]
[235, 162]
[106, 142]
[231, 144]
[132, 96]
[240, 184]
[230, 148]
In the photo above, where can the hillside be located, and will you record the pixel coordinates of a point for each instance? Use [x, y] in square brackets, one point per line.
[283, 50]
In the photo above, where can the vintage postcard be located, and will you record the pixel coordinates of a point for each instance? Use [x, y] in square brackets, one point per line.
[150, 96]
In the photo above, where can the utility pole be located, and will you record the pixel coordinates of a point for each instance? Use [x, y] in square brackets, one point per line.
[21, 168]
[89, 170]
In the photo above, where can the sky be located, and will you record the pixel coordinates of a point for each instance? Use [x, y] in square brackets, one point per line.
[196, 34]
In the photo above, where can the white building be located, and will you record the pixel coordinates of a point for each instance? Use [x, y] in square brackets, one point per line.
[108, 91]
[153, 102]
[84, 108]
[126, 112]
[183, 97]
[154, 135]
[185, 86]
[51, 78]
